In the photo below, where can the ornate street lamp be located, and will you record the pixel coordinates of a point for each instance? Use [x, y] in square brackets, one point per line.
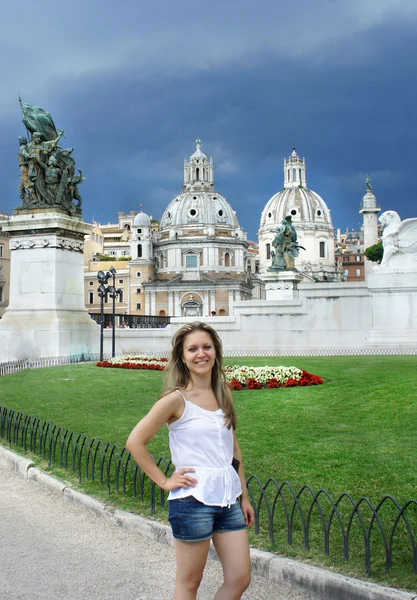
[103, 291]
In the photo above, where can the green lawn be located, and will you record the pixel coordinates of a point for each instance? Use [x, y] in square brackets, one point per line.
[355, 433]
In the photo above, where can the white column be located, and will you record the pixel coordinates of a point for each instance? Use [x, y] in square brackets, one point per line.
[153, 303]
[206, 308]
[230, 298]
[177, 307]
[148, 310]
[170, 303]
[212, 300]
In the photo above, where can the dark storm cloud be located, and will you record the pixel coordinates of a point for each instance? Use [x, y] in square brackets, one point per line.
[134, 88]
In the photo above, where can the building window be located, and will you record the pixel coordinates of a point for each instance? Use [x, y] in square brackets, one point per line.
[139, 250]
[138, 305]
[191, 261]
[121, 296]
[138, 274]
[322, 249]
[91, 297]
[268, 251]
[138, 291]
[358, 272]
[227, 260]
[120, 280]
[1, 250]
[1, 294]
[294, 174]
[139, 230]
[346, 273]
[358, 259]
[91, 282]
[162, 313]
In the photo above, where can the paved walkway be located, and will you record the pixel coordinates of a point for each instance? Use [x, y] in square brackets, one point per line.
[52, 550]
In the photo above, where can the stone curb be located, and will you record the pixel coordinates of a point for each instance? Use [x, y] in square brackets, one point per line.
[314, 581]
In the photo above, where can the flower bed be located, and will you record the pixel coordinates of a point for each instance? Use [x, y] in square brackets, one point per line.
[255, 378]
[135, 361]
[239, 377]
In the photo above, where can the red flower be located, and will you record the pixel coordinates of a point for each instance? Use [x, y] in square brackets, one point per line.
[291, 382]
[236, 385]
[273, 383]
[253, 384]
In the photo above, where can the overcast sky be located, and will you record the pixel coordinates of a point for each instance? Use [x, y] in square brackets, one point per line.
[134, 83]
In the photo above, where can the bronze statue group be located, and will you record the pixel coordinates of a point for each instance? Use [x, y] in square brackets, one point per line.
[48, 173]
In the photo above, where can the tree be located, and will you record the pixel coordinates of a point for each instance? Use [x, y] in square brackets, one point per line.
[375, 252]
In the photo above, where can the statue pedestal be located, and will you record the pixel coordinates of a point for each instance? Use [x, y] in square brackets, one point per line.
[394, 307]
[282, 284]
[46, 315]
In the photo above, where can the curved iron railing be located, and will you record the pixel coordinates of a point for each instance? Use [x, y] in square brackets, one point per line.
[341, 524]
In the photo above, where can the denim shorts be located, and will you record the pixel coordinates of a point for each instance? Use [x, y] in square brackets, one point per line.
[193, 521]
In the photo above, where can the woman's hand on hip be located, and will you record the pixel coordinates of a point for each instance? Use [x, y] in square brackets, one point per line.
[248, 512]
[180, 479]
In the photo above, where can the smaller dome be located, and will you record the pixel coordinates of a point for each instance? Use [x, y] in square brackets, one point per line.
[142, 220]
[198, 153]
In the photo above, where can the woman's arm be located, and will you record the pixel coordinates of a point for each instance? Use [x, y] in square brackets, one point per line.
[168, 407]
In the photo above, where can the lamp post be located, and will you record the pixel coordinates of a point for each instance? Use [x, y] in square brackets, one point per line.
[113, 293]
[103, 291]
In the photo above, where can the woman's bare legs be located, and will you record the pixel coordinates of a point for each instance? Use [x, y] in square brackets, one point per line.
[191, 560]
[233, 550]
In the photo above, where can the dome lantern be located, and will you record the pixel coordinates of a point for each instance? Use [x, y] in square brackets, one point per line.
[198, 171]
[294, 171]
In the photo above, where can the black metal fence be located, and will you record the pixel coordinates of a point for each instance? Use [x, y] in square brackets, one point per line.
[340, 527]
[132, 321]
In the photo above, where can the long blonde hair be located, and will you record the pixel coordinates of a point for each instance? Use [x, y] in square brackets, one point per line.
[177, 374]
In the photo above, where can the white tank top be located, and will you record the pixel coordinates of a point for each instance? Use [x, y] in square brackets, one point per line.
[200, 440]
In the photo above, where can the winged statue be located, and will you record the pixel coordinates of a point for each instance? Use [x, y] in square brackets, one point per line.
[399, 240]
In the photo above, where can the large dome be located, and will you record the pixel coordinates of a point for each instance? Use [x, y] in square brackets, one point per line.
[199, 204]
[304, 206]
[199, 208]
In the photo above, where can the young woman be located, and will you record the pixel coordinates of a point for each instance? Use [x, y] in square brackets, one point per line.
[197, 405]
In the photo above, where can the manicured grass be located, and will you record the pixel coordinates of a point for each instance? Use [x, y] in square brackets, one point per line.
[355, 433]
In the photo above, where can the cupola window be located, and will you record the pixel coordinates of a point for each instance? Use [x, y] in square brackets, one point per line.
[268, 251]
[227, 260]
[322, 249]
[319, 213]
[220, 213]
[193, 212]
[139, 250]
[139, 230]
[197, 173]
[293, 212]
[294, 174]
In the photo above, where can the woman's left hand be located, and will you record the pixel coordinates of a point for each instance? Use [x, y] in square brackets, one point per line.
[248, 512]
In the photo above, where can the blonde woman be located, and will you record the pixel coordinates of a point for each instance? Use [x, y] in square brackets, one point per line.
[204, 489]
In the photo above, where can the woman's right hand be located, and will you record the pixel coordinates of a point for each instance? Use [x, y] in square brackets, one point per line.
[180, 479]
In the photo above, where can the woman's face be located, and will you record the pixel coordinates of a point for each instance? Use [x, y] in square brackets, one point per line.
[198, 352]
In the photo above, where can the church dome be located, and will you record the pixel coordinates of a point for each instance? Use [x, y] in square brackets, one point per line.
[199, 204]
[304, 206]
[199, 208]
[311, 218]
[141, 220]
